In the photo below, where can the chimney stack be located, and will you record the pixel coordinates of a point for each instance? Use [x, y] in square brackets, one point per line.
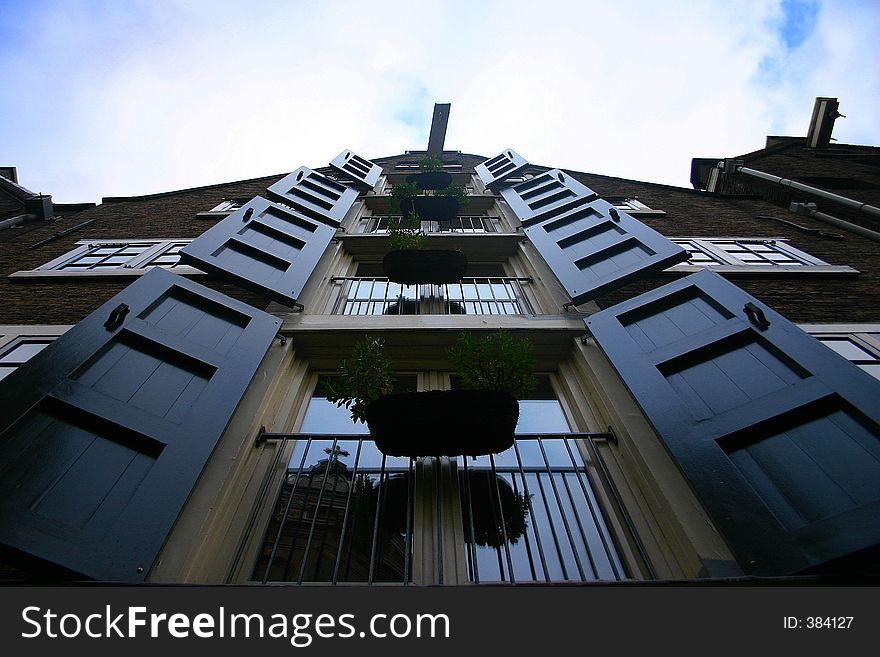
[822, 123]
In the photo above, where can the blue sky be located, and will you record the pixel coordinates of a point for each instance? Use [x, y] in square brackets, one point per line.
[119, 98]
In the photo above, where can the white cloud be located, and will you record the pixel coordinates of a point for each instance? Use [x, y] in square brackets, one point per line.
[162, 96]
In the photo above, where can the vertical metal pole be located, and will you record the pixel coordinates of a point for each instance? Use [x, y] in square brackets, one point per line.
[286, 510]
[354, 474]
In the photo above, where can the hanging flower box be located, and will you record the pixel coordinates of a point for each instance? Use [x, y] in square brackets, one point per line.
[443, 422]
[436, 266]
[430, 179]
[430, 208]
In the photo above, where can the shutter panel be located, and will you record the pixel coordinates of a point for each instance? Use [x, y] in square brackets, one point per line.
[777, 434]
[494, 171]
[364, 173]
[314, 195]
[546, 196]
[591, 246]
[104, 433]
[262, 246]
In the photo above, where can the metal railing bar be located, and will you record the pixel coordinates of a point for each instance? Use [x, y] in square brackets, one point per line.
[470, 547]
[538, 541]
[439, 539]
[286, 509]
[496, 504]
[606, 477]
[526, 540]
[410, 495]
[261, 499]
[305, 559]
[552, 527]
[376, 522]
[354, 474]
[562, 513]
[595, 513]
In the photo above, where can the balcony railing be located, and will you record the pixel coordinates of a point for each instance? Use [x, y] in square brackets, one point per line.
[346, 513]
[494, 295]
[461, 224]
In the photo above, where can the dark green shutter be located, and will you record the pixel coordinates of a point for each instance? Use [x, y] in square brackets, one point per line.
[263, 246]
[496, 170]
[362, 172]
[591, 246]
[778, 435]
[104, 433]
[314, 195]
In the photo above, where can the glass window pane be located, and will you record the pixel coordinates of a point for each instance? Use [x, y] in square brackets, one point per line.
[23, 351]
[846, 348]
[873, 369]
[541, 416]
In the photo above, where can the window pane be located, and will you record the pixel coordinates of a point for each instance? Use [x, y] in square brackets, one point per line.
[23, 351]
[846, 348]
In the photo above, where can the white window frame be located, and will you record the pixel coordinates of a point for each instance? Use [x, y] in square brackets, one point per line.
[137, 266]
[634, 207]
[223, 209]
[12, 335]
[728, 263]
[864, 336]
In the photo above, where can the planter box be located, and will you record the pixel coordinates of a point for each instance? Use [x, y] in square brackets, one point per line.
[443, 423]
[430, 179]
[430, 208]
[437, 266]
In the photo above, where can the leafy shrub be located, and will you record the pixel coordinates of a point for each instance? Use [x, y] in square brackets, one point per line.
[497, 362]
[363, 378]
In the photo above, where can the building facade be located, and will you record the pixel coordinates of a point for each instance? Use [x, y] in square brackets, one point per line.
[166, 361]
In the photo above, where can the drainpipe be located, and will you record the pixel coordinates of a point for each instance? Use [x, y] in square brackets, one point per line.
[809, 210]
[735, 166]
[13, 221]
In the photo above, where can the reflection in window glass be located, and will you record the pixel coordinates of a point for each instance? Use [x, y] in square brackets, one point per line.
[344, 513]
[20, 351]
[529, 513]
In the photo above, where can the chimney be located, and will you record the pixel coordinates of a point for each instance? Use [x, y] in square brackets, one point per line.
[438, 128]
[40, 206]
[822, 123]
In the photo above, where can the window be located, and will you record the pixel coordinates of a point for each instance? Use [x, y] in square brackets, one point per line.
[632, 205]
[229, 205]
[489, 294]
[18, 344]
[223, 209]
[737, 254]
[94, 257]
[346, 513]
[529, 513]
[858, 343]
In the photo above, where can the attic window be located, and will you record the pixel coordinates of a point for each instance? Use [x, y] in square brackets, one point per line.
[632, 205]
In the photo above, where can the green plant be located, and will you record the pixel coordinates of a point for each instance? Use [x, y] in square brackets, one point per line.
[406, 232]
[363, 378]
[401, 191]
[497, 362]
[431, 163]
[457, 192]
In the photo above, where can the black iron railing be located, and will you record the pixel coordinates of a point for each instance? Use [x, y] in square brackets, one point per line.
[460, 224]
[496, 295]
[346, 513]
